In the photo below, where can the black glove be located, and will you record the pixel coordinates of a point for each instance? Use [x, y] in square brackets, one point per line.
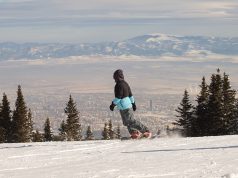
[112, 106]
[134, 106]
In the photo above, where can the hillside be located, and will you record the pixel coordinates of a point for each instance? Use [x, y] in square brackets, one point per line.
[163, 157]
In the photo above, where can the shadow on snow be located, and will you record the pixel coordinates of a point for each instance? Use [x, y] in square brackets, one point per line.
[189, 149]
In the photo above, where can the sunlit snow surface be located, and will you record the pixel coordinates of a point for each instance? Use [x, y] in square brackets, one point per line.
[162, 157]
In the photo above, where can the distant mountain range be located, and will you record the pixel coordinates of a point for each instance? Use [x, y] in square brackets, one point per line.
[147, 45]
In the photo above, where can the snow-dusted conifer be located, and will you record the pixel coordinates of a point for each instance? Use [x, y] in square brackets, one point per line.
[111, 131]
[105, 132]
[37, 136]
[118, 132]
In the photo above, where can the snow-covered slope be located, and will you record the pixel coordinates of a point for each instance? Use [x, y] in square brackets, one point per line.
[145, 45]
[207, 157]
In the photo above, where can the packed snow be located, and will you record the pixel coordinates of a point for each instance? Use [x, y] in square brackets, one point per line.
[211, 157]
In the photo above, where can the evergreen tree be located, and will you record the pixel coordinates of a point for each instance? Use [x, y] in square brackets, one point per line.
[48, 134]
[185, 115]
[111, 132]
[200, 119]
[229, 106]
[216, 112]
[73, 128]
[118, 133]
[89, 134]
[2, 135]
[5, 119]
[215, 107]
[2, 130]
[105, 132]
[30, 125]
[62, 130]
[20, 122]
[234, 122]
[37, 137]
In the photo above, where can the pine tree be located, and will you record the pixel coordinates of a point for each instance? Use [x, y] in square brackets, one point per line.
[229, 106]
[89, 134]
[73, 128]
[62, 130]
[215, 107]
[111, 132]
[5, 119]
[118, 132]
[185, 115]
[234, 123]
[216, 112]
[200, 118]
[2, 135]
[48, 134]
[20, 122]
[37, 137]
[2, 130]
[105, 132]
[30, 125]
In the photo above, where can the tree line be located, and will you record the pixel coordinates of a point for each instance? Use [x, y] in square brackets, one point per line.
[215, 112]
[17, 126]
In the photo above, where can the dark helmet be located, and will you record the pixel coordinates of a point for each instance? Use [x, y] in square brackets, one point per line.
[118, 75]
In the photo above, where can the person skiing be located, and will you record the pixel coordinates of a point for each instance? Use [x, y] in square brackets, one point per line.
[125, 102]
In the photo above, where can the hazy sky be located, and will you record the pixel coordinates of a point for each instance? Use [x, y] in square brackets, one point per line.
[112, 20]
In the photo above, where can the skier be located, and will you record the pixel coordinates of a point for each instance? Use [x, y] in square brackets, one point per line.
[125, 102]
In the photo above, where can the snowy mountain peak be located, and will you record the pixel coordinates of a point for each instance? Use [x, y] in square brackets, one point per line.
[153, 45]
[157, 37]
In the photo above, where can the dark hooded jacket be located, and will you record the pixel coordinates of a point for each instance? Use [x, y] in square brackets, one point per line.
[123, 95]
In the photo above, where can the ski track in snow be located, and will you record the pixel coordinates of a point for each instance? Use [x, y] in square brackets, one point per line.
[212, 157]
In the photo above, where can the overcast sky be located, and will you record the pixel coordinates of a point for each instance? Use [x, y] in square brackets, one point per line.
[76, 21]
